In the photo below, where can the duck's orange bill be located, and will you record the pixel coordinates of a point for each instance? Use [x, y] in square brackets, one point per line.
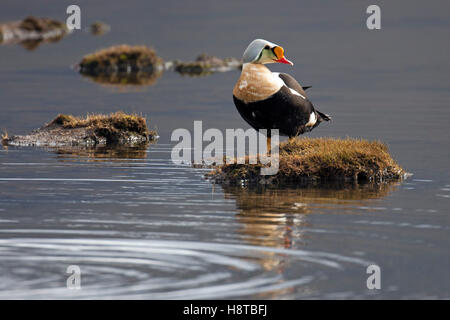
[279, 52]
[285, 61]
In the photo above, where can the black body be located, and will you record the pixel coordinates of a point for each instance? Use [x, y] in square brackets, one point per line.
[284, 110]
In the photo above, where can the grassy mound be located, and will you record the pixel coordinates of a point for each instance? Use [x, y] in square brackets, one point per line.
[32, 31]
[103, 125]
[67, 130]
[122, 58]
[41, 24]
[318, 160]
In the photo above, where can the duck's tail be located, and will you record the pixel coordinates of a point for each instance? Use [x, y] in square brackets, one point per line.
[323, 116]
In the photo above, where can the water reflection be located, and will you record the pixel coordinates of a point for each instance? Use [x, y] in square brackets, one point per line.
[304, 199]
[156, 269]
[125, 80]
[102, 153]
[96, 153]
[31, 45]
[277, 217]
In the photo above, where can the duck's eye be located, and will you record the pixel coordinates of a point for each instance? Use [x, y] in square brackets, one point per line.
[267, 47]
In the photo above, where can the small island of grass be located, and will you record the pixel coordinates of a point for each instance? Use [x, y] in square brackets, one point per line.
[318, 160]
[32, 31]
[122, 59]
[67, 130]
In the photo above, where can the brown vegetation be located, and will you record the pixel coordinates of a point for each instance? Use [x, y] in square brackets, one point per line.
[68, 130]
[32, 31]
[318, 160]
[122, 59]
[99, 28]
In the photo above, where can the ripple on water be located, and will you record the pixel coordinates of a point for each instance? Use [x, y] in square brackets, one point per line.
[154, 269]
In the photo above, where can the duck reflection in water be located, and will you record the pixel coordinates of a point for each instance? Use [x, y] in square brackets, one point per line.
[277, 217]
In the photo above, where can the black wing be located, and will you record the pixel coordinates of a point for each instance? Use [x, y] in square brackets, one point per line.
[292, 83]
[283, 110]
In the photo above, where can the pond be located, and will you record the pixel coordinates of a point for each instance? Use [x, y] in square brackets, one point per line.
[142, 227]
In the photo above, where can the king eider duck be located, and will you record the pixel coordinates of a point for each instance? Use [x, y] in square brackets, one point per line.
[271, 100]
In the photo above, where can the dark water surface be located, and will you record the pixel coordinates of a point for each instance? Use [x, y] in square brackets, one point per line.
[140, 226]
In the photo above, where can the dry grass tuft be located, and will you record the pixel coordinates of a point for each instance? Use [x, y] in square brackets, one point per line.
[122, 58]
[115, 129]
[104, 125]
[32, 31]
[319, 159]
[41, 24]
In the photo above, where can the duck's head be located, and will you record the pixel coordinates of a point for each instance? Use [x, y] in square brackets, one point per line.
[262, 51]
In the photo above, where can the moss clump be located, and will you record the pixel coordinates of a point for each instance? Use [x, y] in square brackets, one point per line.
[119, 120]
[67, 130]
[110, 126]
[99, 28]
[41, 25]
[319, 160]
[32, 31]
[122, 59]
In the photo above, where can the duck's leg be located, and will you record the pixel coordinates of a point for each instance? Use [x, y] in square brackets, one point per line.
[269, 142]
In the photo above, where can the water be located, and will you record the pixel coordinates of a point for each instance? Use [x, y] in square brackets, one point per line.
[142, 227]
